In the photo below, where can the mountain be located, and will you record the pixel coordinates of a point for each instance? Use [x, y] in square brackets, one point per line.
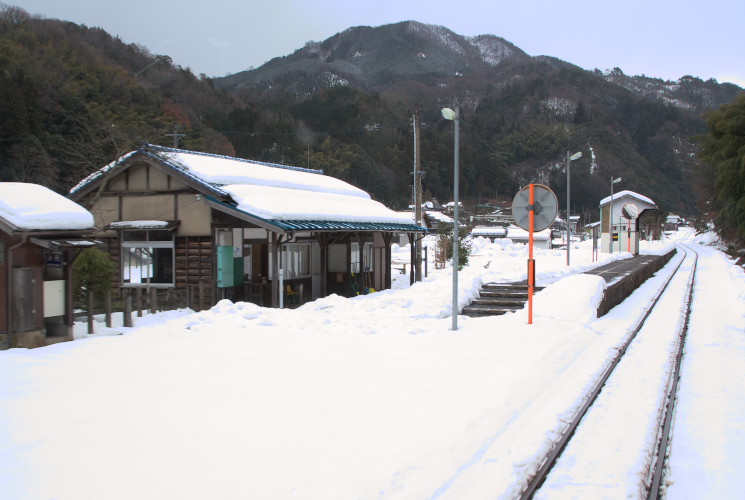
[520, 114]
[73, 98]
[380, 58]
[687, 92]
[374, 58]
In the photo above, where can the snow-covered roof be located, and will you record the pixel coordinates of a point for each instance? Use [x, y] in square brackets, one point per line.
[630, 194]
[271, 192]
[31, 207]
[489, 231]
[439, 216]
[140, 224]
[291, 204]
[518, 233]
[226, 171]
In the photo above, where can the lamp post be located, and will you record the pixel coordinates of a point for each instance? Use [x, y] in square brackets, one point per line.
[570, 159]
[610, 214]
[454, 116]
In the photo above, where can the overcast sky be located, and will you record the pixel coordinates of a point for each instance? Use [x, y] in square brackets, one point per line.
[660, 38]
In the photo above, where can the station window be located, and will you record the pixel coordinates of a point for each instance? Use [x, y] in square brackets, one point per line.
[296, 260]
[147, 257]
[358, 258]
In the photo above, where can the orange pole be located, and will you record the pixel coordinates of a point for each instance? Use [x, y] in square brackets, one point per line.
[628, 236]
[531, 267]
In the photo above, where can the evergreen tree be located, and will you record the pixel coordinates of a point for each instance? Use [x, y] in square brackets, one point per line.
[93, 271]
[445, 243]
[723, 147]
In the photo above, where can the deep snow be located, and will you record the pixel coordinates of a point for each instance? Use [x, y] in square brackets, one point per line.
[36, 208]
[370, 397]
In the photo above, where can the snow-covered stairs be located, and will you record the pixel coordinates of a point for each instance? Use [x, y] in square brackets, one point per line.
[498, 298]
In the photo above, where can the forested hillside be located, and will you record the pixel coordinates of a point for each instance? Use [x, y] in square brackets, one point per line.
[73, 98]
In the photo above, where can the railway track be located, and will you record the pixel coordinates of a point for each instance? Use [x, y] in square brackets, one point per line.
[641, 381]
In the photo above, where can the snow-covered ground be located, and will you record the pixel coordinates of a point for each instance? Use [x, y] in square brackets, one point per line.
[370, 397]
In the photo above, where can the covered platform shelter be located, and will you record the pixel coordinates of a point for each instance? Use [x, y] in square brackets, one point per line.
[619, 217]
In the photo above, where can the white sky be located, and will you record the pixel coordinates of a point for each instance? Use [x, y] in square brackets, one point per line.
[664, 38]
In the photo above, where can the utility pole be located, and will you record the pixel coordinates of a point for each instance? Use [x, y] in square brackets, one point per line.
[417, 198]
[176, 135]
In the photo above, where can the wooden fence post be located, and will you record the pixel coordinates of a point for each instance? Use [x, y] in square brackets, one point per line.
[153, 300]
[127, 307]
[138, 301]
[107, 308]
[90, 312]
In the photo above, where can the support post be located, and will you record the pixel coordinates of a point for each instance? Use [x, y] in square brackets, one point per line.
[138, 301]
[456, 225]
[90, 312]
[417, 198]
[531, 262]
[107, 308]
[127, 307]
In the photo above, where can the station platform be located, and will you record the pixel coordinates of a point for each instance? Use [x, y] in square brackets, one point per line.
[625, 276]
[622, 277]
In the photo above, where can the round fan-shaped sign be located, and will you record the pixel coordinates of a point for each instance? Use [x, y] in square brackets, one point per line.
[545, 208]
[630, 211]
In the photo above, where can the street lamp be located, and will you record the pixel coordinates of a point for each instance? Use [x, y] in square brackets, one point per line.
[454, 116]
[610, 214]
[570, 159]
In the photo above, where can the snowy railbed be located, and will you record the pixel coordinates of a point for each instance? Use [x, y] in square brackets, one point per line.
[369, 397]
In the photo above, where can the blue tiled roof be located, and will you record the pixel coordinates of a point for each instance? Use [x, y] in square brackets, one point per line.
[346, 226]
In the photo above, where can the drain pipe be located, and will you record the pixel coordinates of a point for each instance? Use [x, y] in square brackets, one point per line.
[9, 281]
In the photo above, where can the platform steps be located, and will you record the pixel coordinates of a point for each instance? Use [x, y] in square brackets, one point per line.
[498, 298]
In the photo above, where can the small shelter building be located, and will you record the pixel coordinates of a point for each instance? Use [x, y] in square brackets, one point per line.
[541, 239]
[491, 232]
[183, 221]
[620, 216]
[673, 222]
[40, 235]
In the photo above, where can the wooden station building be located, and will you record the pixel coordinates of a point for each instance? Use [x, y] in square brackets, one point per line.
[239, 229]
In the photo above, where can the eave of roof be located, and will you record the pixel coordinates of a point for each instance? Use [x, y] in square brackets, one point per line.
[147, 152]
[348, 226]
[283, 226]
[10, 229]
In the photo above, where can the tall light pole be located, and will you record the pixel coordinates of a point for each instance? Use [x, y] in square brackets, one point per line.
[610, 214]
[454, 116]
[570, 159]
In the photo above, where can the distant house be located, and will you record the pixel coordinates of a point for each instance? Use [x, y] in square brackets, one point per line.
[434, 219]
[180, 220]
[541, 239]
[491, 232]
[673, 222]
[40, 234]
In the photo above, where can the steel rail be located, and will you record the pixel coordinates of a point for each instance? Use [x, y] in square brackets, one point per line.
[551, 458]
[672, 395]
